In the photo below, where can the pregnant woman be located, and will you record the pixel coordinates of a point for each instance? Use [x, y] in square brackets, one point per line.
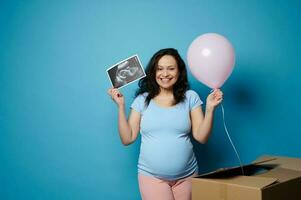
[165, 112]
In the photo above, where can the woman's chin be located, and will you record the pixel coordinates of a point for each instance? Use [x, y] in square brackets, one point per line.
[166, 87]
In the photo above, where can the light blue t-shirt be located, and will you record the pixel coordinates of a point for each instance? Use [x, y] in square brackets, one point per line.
[166, 151]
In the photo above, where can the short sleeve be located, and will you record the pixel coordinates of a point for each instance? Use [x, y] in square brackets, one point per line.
[139, 103]
[193, 99]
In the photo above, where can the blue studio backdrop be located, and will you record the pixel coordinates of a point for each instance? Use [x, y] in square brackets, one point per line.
[58, 126]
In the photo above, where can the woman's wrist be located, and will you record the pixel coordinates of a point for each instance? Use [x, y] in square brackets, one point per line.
[209, 109]
[121, 106]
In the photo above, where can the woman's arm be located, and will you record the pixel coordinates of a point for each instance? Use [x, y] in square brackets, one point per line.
[202, 125]
[128, 128]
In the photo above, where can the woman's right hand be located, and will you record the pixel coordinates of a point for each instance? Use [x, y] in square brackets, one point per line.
[116, 96]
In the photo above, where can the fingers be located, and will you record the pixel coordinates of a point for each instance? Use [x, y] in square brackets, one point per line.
[217, 93]
[110, 91]
[216, 96]
[114, 92]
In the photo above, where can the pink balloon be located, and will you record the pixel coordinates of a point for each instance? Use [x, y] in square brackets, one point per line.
[211, 59]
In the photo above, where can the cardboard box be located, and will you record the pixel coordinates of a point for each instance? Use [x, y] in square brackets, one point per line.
[267, 178]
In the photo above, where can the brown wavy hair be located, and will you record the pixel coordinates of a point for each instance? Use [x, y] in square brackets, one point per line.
[149, 84]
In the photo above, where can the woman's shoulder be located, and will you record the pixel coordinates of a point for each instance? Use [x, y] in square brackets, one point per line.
[139, 102]
[142, 95]
[191, 93]
[193, 98]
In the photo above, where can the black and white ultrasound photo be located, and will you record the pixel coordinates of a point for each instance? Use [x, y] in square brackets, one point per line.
[126, 72]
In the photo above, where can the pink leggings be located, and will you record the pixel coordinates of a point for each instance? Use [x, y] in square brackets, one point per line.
[152, 188]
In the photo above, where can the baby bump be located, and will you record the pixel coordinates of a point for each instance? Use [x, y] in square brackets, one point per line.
[166, 157]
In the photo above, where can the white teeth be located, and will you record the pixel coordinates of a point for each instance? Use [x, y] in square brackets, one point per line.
[165, 79]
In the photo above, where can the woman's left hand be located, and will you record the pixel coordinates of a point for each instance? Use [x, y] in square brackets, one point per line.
[214, 99]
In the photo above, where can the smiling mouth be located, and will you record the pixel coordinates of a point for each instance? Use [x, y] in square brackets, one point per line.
[165, 79]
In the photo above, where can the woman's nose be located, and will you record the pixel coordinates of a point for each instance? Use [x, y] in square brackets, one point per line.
[165, 72]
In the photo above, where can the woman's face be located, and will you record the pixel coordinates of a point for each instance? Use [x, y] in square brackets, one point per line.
[167, 72]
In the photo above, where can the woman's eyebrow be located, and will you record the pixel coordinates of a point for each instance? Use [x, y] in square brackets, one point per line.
[166, 66]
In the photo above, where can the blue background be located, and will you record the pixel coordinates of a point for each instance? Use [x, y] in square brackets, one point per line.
[58, 127]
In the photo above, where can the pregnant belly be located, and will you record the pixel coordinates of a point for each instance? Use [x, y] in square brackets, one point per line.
[166, 157]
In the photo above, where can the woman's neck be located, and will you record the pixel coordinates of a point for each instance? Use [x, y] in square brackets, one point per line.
[165, 98]
[165, 92]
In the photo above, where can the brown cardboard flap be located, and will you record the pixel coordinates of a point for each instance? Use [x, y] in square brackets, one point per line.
[249, 170]
[283, 162]
[234, 171]
[244, 181]
[263, 160]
